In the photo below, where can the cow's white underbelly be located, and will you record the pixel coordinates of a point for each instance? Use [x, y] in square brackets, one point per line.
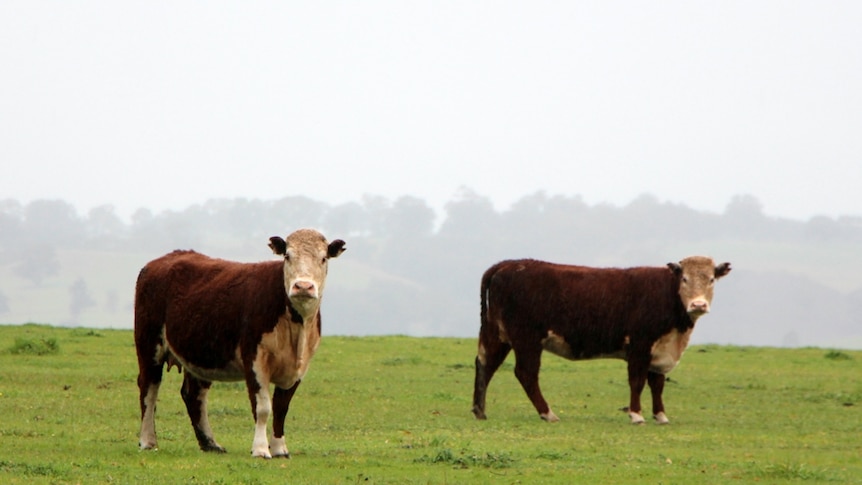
[667, 351]
[231, 372]
[557, 345]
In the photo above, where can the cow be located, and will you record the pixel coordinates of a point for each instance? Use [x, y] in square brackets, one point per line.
[643, 315]
[221, 320]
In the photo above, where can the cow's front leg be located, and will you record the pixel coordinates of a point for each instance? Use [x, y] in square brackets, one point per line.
[656, 386]
[637, 381]
[527, 363]
[280, 404]
[194, 392]
[261, 408]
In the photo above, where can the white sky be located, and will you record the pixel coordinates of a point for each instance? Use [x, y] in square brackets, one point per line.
[167, 104]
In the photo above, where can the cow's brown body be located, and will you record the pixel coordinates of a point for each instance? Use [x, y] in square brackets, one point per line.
[225, 321]
[642, 315]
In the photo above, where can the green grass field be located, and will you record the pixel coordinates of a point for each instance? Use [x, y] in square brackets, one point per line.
[397, 410]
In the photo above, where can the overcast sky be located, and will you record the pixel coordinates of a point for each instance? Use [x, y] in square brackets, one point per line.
[167, 104]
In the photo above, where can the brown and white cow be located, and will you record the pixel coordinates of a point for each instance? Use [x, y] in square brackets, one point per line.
[642, 315]
[226, 321]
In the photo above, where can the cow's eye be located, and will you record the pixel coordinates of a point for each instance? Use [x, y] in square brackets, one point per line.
[685, 279]
[286, 257]
[323, 261]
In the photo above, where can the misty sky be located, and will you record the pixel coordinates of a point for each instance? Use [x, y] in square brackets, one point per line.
[167, 104]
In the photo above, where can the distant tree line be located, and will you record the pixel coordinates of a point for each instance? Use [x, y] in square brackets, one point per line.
[429, 264]
[553, 226]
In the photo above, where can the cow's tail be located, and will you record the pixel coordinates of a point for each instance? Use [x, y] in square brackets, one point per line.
[490, 346]
[483, 298]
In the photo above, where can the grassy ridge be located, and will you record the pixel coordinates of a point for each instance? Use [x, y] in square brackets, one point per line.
[397, 410]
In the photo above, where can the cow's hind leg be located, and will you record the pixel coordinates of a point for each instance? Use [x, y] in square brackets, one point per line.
[527, 363]
[488, 360]
[280, 405]
[148, 345]
[656, 386]
[149, 380]
[194, 392]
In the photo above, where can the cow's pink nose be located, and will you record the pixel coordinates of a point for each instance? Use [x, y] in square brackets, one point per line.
[303, 286]
[699, 306]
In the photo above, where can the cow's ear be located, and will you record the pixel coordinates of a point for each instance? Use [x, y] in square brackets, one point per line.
[675, 267]
[336, 248]
[721, 270]
[278, 245]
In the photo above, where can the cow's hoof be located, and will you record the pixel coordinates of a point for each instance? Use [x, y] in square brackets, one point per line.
[210, 446]
[148, 446]
[479, 414]
[661, 418]
[261, 454]
[550, 417]
[636, 418]
[278, 447]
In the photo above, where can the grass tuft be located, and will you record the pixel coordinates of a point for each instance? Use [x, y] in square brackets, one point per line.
[464, 459]
[42, 346]
[837, 355]
[85, 332]
[795, 472]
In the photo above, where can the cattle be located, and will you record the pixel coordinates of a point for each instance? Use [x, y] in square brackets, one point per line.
[643, 315]
[220, 320]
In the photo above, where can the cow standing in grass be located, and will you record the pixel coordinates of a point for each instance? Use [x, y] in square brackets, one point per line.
[226, 321]
[642, 315]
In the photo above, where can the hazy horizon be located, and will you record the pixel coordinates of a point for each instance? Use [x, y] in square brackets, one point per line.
[794, 283]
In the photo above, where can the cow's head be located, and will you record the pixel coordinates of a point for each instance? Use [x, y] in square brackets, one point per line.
[697, 275]
[306, 255]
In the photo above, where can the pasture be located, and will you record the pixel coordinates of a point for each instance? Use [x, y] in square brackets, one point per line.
[397, 410]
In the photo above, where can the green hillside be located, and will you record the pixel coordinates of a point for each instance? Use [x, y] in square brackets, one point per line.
[397, 410]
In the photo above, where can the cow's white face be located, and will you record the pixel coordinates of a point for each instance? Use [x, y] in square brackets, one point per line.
[697, 276]
[306, 255]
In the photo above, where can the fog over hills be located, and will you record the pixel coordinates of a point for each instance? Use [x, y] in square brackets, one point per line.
[410, 270]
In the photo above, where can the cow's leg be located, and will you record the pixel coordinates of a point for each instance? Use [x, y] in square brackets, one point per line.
[488, 360]
[527, 363]
[637, 381]
[149, 380]
[656, 386]
[280, 405]
[194, 392]
[150, 350]
[261, 408]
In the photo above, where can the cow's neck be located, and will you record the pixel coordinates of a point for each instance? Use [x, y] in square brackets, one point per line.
[693, 318]
[299, 327]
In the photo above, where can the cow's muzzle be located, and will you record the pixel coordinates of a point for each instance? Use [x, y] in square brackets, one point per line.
[303, 289]
[698, 307]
